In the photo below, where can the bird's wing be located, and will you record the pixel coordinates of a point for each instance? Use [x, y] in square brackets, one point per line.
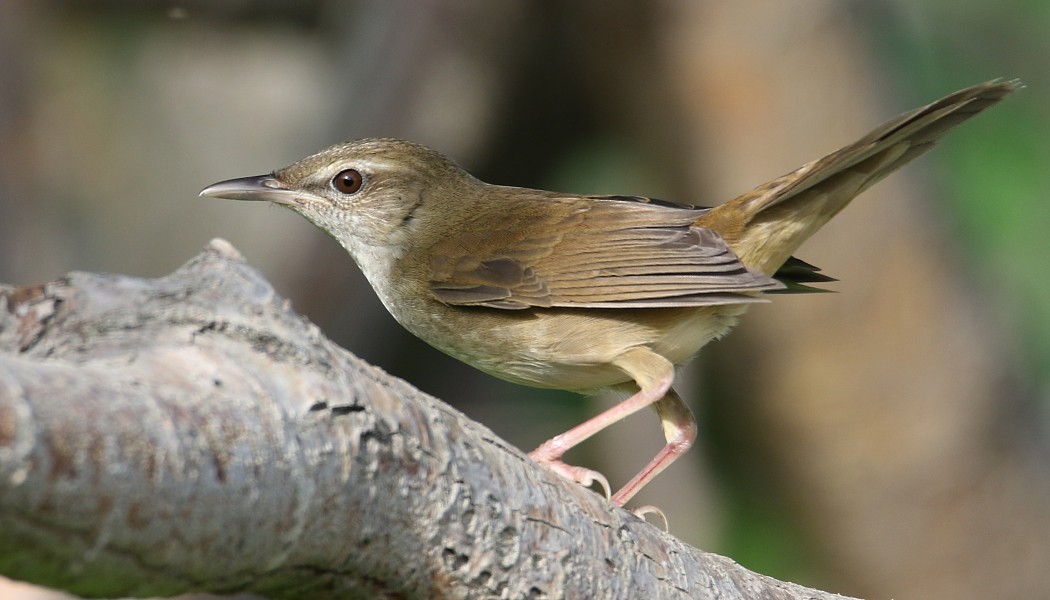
[593, 252]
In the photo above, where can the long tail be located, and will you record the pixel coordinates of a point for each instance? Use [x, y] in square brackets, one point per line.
[767, 224]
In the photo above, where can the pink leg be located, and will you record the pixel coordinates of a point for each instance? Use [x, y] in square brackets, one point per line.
[654, 375]
[679, 430]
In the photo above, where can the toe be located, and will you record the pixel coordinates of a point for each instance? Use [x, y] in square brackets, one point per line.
[581, 475]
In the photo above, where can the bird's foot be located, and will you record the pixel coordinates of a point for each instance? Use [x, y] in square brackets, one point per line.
[581, 475]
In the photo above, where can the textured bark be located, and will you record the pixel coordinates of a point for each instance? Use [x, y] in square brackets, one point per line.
[193, 434]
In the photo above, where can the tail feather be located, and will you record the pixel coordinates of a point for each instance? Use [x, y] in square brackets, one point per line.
[767, 224]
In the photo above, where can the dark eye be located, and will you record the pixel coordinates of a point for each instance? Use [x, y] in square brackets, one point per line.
[348, 181]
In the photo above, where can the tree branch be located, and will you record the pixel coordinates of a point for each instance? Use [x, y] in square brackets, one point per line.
[193, 434]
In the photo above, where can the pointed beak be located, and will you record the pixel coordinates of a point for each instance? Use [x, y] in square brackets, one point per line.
[260, 187]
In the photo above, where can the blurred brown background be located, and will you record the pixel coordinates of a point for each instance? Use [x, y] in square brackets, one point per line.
[890, 440]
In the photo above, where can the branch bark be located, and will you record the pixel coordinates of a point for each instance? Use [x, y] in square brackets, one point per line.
[193, 434]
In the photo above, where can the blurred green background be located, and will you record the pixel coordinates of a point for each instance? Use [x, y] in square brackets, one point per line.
[886, 441]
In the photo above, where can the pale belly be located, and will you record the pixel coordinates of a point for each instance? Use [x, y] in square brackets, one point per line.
[570, 349]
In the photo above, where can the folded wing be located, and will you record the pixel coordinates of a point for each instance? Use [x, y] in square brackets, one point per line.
[593, 252]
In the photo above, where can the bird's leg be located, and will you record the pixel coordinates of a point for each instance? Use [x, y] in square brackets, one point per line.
[654, 375]
[679, 430]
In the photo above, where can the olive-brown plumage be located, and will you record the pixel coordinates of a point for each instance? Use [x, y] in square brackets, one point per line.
[582, 292]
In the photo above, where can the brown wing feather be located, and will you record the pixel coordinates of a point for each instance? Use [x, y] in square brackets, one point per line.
[593, 252]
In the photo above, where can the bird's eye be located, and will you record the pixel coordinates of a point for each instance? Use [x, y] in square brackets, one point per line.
[348, 181]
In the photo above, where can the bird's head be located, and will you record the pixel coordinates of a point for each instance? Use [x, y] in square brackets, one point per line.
[366, 193]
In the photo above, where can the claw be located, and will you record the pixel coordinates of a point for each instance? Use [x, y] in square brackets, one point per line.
[649, 509]
[581, 475]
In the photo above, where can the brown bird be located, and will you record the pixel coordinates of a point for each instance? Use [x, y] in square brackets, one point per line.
[582, 292]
